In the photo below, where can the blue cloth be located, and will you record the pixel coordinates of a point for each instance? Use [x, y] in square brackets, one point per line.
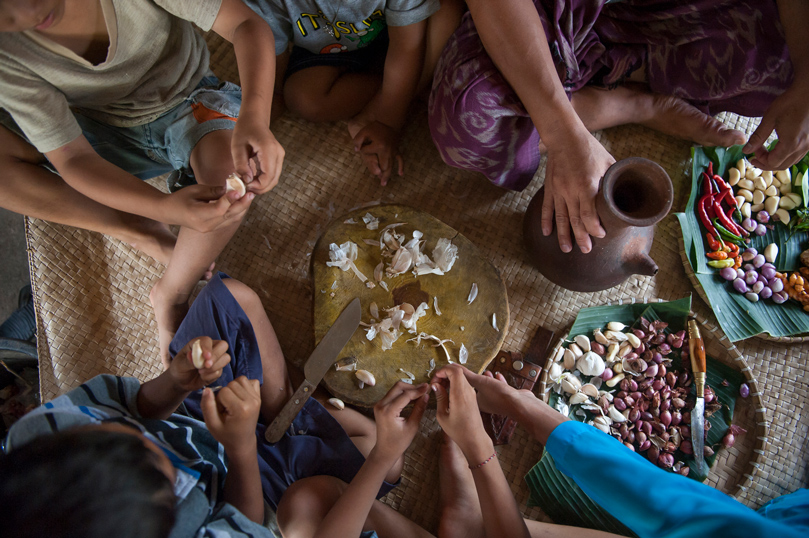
[165, 144]
[660, 504]
[370, 59]
[315, 443]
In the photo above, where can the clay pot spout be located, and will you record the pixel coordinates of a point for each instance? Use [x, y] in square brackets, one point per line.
[642, 265]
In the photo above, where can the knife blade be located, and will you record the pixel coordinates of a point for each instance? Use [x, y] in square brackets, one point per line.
[316, 366]
[698, 367]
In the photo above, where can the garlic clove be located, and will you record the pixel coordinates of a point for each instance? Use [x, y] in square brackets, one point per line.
[337, 403]
[366, 377]
[196, 355]
[235, 183]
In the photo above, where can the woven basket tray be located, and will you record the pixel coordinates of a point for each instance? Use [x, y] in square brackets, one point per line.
[734, 468]
[689, 272]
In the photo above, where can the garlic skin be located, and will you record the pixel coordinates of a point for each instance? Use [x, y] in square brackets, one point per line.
[343, 256]
[591, 364]
[463, 354]
[445, 254]
[473, 293]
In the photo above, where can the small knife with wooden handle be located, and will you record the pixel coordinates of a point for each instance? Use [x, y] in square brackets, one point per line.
[698, 367]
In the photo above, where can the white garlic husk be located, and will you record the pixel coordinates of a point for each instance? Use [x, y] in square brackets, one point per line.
[591, 364]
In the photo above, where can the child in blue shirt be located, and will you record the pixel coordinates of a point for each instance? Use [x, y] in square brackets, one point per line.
[98, 94]
[359, 61]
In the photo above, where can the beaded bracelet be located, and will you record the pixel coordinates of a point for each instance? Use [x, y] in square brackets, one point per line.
[484, 462]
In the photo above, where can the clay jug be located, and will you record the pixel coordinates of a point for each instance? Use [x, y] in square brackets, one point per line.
[634, 195]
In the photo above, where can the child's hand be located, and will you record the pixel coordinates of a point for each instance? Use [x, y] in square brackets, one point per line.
[379, 146]
[188, 378]
[204, 208]
[394, 433]
[257, 155]
[457, 411]
[231, 415]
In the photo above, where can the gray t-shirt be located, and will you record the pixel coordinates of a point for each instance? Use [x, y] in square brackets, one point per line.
[155, 59]
[307, 23]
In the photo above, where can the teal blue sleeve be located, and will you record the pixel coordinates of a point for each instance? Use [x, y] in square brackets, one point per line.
[657, 503]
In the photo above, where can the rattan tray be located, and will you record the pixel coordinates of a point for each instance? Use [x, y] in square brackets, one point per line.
[734, 469]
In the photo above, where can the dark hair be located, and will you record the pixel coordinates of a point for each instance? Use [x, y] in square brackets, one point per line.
[84, 484]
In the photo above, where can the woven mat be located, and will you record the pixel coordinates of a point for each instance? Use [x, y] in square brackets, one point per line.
[94, 316]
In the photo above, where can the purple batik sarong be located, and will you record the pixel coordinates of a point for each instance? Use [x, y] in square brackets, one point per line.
[719, 55]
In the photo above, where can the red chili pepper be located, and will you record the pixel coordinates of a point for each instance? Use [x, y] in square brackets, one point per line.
[721, 182]
[733, 253]
[713, 244]
[725, 221]
[718, 255]
[728, 195]
[734, 247]
[707, 185]
[729, 216]
[726, 248]
[702, 213]
[710, 168]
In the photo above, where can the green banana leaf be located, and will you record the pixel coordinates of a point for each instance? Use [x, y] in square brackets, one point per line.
[558, 495]
[738, 317]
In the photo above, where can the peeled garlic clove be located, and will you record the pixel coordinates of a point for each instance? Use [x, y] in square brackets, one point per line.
[616, 326]
[600, 338]
[583, 342]
[612, 351]
[559, 354]
[783, 215]
[624, 350]
[615, 336]
[577, 351]
[374, 309]
[615, 415]
[615, 379]
[633, 340]
[366, 377]
[196, 355]
[337, 403]
[235, 183]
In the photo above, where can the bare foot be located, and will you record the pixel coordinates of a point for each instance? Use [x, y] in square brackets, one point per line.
[460, 507]
[674, 116]
[169, 313]
[632, 103]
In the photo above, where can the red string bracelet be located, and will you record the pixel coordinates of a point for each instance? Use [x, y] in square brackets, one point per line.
[484, 462]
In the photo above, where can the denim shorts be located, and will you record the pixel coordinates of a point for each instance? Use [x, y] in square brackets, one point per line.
[164, 144]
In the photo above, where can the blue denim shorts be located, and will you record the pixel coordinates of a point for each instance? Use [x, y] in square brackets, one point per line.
[164, 144]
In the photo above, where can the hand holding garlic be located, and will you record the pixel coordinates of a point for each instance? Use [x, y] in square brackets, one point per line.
[257, 155]
[458, 414]
[205, 208]
[187, 376]
[394, 433]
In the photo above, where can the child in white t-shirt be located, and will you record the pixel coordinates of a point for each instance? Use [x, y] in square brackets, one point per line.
[103, 91]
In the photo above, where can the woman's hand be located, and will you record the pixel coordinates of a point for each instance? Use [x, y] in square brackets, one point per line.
[458, 413]
[394, 433]
[188, 378]
[788, 115]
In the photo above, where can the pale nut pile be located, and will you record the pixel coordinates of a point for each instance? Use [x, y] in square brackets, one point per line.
[758, 190]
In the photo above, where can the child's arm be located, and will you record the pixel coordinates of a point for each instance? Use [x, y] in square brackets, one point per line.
[254, 45]
[231, 418]
[394, 435]
[403, 65]
[199, 207]
[161, 396]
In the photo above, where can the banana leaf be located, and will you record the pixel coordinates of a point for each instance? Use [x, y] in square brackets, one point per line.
[558, 495]
[738, 317]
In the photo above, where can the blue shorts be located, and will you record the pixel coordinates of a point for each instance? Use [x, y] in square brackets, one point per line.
[315, 443]
[164, 144]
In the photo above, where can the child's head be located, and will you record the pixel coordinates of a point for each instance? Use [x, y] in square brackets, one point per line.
[20, 15]
[88, 482]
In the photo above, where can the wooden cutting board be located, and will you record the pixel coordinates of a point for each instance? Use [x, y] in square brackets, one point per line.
[463, 323]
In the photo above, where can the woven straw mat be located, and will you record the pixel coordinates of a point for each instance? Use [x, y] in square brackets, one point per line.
[94, 317]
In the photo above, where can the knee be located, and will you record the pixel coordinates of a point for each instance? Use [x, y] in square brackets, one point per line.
[244, 294]
[304, 103]
[306, 502]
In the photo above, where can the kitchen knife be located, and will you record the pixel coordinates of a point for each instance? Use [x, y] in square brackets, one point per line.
[698, 367]
[318, 363]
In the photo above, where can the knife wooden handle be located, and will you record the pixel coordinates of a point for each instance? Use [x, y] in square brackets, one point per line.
[281, 423]
[697, 350]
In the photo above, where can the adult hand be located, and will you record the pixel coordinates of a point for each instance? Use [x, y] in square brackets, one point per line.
[788, 115]
[394, 433]
[231, 415]
[494, 394]
[378, 145]
[188, 378]
[257, 155]
[206, 208]
[458, 414]
[575, 168]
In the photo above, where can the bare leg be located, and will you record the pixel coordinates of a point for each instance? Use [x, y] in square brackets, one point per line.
[276, 387]
[326, 93]
[461, 516]
[31, 190]
[601, 109]
[307, 501]
[440, 26]
[195, 251]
